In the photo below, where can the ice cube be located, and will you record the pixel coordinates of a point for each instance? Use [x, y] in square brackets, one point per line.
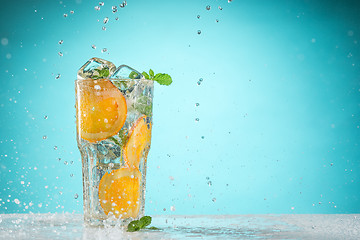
[91, 68]
[126, 72]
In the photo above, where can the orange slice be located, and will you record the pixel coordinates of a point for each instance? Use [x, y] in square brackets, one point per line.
[119, 192]
[101, 111]
[138, 144]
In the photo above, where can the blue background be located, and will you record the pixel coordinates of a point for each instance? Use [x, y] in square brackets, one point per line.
[278, 115]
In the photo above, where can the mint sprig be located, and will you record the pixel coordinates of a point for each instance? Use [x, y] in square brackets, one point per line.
[102, 73]
[161, 78]
[142, 223]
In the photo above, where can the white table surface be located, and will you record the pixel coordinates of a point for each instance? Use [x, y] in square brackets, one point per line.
[70, 226]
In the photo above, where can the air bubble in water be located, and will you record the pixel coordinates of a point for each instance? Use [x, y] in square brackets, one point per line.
[61, 42]
[208, 7]
[60, 54]
[76, 196]
[93, 46]
[58, 76]
[106, 20]
[199, 32]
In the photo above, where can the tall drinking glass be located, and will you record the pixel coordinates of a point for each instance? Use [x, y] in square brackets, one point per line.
[114, 121]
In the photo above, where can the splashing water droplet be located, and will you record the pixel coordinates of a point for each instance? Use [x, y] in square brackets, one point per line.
[209, 183]
[58, 76]
[44, 137]
[104, 50]
[65, 162]
[97, 8]
[172, 208]
[59, 159]
[60, 54]
[72, 12]
[202, 137]
[55, 147]
[106, 20]
[17, 201]
[217, 20]
[93, 46]
[208, 7]
[198, 16]
[45, 117]
[116, 18]
[76, 196]
[199, 32]
[60, 193]
[197, 119]
[114, 9]
[104, 28]
[197, 104]
[229, 1]
[214, 199]
[65, 15]
[61, 42]
[71, 174]
[101, 3]
[220, 8]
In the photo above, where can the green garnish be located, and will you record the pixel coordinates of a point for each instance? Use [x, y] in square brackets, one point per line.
[143, 105]
[142, 223]
[103, 73]
[161, 78]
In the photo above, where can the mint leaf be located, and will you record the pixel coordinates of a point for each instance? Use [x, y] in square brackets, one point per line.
[163, 79]
[145, 221]
[133, 75]
[137, 225]
[143, 105]
[151, 72]
[146, 75]
[133, 226]
[153, 228]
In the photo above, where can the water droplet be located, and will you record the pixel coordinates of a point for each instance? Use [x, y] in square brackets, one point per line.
[60, 193]
[202, 137]
[93, 46]
[72, 12]
[97, 8]
[59, 159]
[209, 183]
[217, 20]
[60, 54]
[58, 76]
[106, 20]
[199, 32]
[76, 196]
[197, 104]
[208, 7]
[40, 205]
[116, 18]
[197, 119]
[71, 162]
[172, 208]
[207, 178]
[331, 164]
[104, 50]
[114, 9]
[164, 209]
[71, 174]
[122, 5]
[229, 1]
[4, 41]
[104, 28]
[214, 199]
[220, 8]
[101, 3]
[44, 137]
[65, 15]
[55, 147]
[61, 42]
[198, 16]
[17, 201]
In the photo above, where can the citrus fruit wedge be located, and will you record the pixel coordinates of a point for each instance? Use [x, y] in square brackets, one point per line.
[101, 111]
[119, 192]
[139, 141]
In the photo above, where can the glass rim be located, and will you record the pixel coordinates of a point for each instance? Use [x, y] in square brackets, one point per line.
[115, 79]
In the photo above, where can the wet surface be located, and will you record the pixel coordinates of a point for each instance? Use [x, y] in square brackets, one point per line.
[70, 226]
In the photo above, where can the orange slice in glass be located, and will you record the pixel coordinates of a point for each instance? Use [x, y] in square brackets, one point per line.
[139, 141]
[119, 192]
[101, 111]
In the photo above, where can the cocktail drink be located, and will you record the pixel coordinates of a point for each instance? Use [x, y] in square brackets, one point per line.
[114, 121]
